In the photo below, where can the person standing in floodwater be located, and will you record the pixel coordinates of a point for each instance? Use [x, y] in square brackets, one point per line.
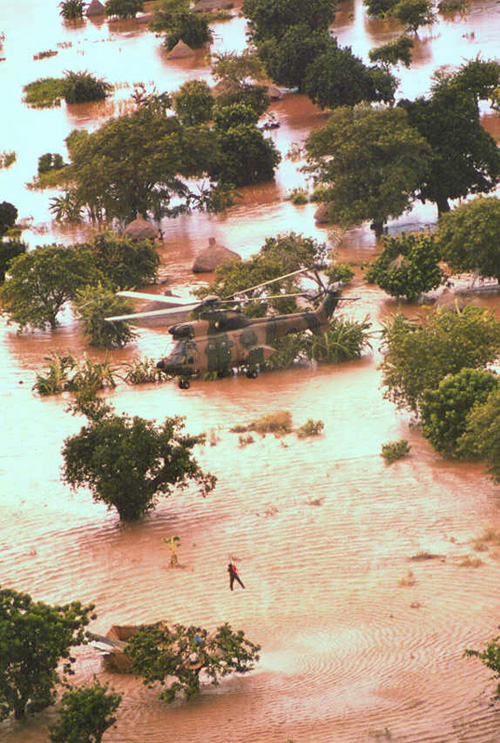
[233, 575]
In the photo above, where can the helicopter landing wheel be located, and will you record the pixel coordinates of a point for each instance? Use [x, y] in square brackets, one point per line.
[184, 384]
[252, 373]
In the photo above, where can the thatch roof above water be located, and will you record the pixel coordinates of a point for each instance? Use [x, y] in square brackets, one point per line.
[212, 257]
[321, 215]
[180, 51]
[398, 262]
[95, 8]
[141, 229]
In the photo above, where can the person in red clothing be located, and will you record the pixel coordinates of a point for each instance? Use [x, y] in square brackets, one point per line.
[233, 575]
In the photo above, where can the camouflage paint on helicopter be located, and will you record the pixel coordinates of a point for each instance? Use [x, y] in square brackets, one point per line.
[223, 339]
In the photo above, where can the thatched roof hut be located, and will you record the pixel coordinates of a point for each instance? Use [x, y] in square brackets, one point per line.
[398, 262]
[141, 229]
[180, 51]
[449, 301]
[274, 93]
[213, 256]
[321, 215]
[95, 8]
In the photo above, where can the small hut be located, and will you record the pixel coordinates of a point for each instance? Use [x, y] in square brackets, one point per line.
[321, 215]
[274, 93]
[400, 262]
[95, 8]
[141, 229]
[213, 256]
[180, 51]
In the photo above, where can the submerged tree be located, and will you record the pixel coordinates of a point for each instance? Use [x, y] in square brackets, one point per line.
[419, 354]
[34, 637]
[85, 714]
[464, 158]
[124, 8]
[469, 237]
[369, 161]
[481, 439]
[445, 410]
[41, 281]
[407, 266]
[128, 462]
[159, 652]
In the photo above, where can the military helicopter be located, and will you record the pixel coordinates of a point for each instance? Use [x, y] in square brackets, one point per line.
[224, 338]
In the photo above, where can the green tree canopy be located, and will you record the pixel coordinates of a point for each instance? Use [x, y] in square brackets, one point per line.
[9, 249]
[407, 266]
[244, 156]
[481, 438]
[272, 18]
[124, 262]
[92, 305]
[379, 8]
[124, 8]
[42, 280]
[464, 158]
[337, 77]
[445, 409]
[286, 59]
[179, 22]
[8, 216]
[132, 164]
[420, 354]
[159, 652]
[34, 637]
[193, 102]
[394, 52]
[128, 462]
[414, 13]
[469, 236]
[370, 162]
[85, 714]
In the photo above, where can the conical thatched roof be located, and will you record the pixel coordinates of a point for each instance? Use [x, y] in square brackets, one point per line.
[449, 301]
[274, 93]
[140, 229]
[180, 51]
[401, 260]
[213, 256]
[321, 215]
[95, 8]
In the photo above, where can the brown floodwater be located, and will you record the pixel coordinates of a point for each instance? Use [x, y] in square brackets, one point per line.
[321, 529]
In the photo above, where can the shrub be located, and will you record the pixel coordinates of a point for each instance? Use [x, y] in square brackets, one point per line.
[344, 340]
[7, 159]
[82, 87]
[394, 450]
[310, 428]
[299, 196]
[407, 266]
[339, 272]
[93, 305]
[9, 249]
[57, 377]
[71, 10]
[44, 92]
[143, 371]
[50, 161]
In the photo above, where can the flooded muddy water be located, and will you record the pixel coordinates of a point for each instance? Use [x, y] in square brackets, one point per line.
[322, 531]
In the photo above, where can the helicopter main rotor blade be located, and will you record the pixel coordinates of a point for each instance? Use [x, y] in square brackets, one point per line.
[271, 281]
[273, 296]
[173, 300]
[151, 313]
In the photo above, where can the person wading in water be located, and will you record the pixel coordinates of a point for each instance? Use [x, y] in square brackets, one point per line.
[233, 575]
